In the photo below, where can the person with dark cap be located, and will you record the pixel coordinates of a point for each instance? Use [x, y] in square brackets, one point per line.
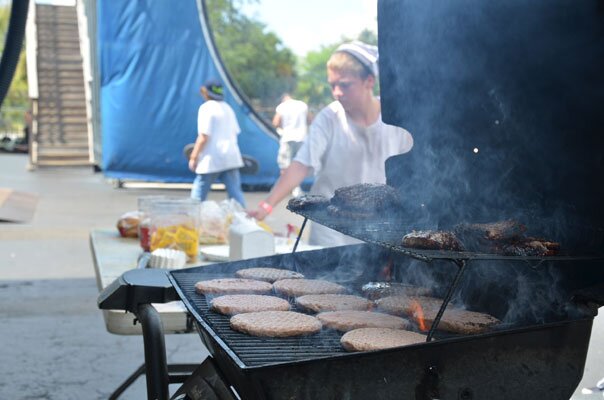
[348, 143]
[216, 154]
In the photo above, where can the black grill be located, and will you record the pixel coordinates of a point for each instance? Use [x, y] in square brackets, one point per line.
[552, 343]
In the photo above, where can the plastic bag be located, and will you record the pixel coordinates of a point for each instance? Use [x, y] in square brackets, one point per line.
[215, 219]
[213, 224]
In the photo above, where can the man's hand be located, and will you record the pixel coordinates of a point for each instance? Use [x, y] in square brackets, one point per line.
[261, 212]
[192, 164]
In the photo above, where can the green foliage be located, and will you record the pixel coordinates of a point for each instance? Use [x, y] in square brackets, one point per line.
[368, 36]
[256, 58]
[262, 66]
[17, 99]
[312, 83]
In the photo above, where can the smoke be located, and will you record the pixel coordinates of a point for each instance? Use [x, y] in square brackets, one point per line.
[504, 100]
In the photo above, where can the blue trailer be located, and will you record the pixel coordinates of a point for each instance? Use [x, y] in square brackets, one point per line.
[152, 59]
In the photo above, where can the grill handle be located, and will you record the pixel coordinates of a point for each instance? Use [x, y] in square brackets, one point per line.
[135, 287]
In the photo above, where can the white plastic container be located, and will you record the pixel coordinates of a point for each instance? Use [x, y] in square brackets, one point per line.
[167, 258]
[248, 240]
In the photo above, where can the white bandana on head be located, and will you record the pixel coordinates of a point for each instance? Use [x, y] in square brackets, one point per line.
[365, 53]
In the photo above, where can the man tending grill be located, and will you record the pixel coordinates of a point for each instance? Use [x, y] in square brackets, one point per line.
[348, 142]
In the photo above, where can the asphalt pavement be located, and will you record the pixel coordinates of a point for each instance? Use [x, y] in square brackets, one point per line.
[53, 342]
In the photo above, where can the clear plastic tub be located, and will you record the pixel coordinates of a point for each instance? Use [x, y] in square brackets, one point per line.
[174, 224]
[145, 204]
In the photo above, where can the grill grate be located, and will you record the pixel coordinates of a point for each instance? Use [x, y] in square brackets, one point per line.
[388, 234]
[249, 350]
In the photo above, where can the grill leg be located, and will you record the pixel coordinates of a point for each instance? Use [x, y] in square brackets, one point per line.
[178, 373]
[156, 367]
[131, 379]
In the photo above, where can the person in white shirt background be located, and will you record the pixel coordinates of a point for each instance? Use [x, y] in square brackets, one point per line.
[291, 121]
[216, 154]
[348, 143]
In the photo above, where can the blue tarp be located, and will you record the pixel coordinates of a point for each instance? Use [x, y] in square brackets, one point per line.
[153, 57]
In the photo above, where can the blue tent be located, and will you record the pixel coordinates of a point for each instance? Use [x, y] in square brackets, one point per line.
[153, 57]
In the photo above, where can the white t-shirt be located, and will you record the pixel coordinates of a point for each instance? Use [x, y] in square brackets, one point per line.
[217, 120]
[342, 153]
[293, 120]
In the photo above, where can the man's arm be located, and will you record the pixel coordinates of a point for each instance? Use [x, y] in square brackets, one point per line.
[200, 143]
[277, 120]
[291, 177]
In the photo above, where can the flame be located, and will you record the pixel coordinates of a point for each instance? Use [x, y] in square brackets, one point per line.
[418, 313]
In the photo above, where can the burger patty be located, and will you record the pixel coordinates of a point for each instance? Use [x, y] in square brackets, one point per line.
[275, 323]
[347, 320]
[245, 303]
[300, 287]
[308, 202]
[268, 274]
[460, 321]
[528, 247]
[233, 286]
[432, 240]
[501, 231]
[454, 320]
[367, 197]
[332, 302]
[406, 305]
[366, 339]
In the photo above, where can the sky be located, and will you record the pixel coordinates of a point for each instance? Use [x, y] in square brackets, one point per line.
[305, 25]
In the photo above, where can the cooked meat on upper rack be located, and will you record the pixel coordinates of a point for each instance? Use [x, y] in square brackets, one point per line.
[367, 197]
[500, 231]
[308, 202]
[504, 238]
[432, 240]
[528, 247]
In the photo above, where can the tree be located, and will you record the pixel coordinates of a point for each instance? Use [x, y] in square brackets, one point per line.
[262, 66]
[312, 83]
[368, 36]
[256, 58]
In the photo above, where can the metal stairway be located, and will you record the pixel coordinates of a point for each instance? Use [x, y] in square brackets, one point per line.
[60, 129]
